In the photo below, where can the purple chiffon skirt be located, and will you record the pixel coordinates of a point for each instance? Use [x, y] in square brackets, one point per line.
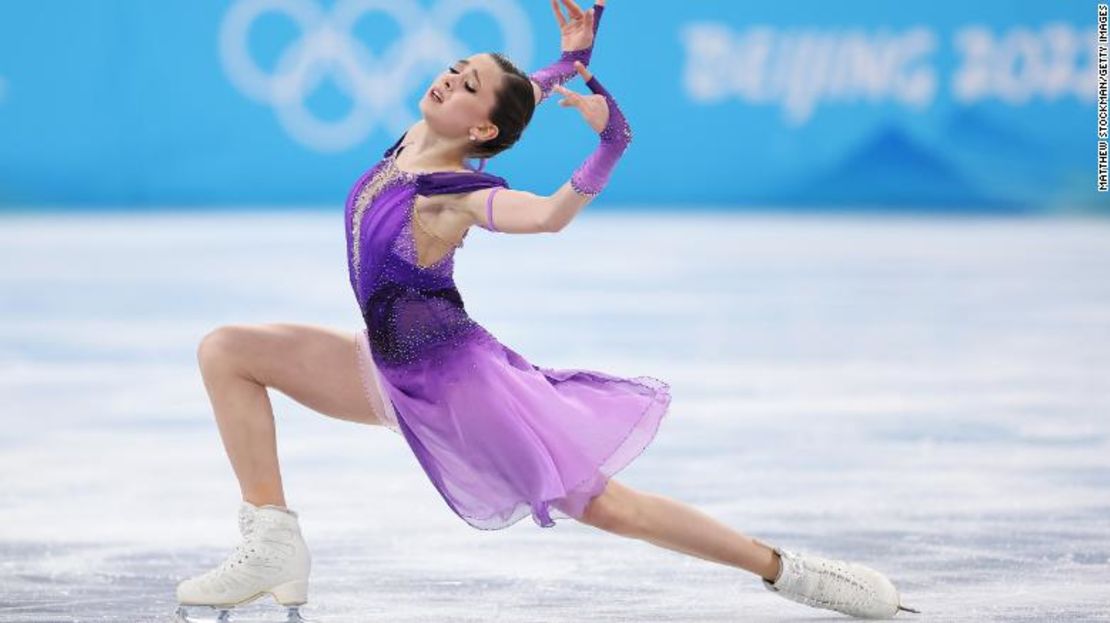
[501, 438]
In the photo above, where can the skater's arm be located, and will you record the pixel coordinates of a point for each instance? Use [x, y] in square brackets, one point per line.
[602, 113]
[509, 211]
[577, 36]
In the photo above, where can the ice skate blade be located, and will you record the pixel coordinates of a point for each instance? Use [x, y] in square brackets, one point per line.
[226, 615]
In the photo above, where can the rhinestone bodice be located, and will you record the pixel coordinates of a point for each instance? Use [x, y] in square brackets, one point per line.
[407, 306]
[382, 174]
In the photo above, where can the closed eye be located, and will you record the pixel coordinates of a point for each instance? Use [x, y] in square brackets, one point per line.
[468, 87]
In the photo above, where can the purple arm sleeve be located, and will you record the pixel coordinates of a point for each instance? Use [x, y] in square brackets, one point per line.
[593, 174]
[562, 69]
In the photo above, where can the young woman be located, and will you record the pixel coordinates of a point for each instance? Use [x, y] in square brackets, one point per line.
[499, 437]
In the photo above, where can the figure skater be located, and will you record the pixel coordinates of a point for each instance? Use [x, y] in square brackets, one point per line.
[500, 438]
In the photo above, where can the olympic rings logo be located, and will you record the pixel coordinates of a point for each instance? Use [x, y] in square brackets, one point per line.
[327, 48]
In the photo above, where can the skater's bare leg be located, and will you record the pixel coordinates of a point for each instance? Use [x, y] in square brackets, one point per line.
[671, 524]
[316, 366]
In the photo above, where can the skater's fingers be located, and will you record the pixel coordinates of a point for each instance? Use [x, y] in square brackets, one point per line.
[573, 8]
[558, 14]
[582, 71]
[571, 96]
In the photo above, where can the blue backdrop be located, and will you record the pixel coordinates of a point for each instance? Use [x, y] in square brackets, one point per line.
[953, 105]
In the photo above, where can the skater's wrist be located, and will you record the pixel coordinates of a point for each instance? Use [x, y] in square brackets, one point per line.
[559, 72]
[593, 174]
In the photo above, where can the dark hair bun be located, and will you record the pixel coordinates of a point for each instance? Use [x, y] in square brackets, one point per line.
[516, 101]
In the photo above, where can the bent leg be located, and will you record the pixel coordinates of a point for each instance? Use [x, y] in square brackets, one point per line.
[316, 366]
[676, 526]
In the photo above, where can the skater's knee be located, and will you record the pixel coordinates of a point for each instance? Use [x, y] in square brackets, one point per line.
[219, 346]
[615, 509]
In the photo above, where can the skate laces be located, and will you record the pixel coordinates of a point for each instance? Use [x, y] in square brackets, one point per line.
[259, 545]
[847, 589]
[817, 581]
[249, 554]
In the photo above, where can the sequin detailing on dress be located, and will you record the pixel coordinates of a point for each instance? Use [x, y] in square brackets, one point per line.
[406, 247]
[416, 218]
[386, 175]
[414, 326]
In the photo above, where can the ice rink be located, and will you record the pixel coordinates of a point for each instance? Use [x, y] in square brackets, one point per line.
[928, 395]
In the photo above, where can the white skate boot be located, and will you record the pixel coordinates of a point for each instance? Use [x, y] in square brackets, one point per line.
[272, 558]
[846, 587]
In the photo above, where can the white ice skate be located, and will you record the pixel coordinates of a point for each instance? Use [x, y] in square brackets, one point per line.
[272, 558]
[846, 587]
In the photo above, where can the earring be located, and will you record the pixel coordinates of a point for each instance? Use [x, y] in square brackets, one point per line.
[473, 138]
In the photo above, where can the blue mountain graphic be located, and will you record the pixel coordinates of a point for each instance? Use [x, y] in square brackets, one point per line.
[973, 129]
[890, 168]
[1002, 157]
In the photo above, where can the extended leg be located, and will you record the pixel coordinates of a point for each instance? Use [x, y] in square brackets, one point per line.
[846, 587]
[671, 524]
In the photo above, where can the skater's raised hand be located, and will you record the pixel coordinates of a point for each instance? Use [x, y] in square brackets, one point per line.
[577, 31]
[594, 108]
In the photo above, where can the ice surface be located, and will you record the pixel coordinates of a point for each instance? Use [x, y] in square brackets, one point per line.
[929, 396]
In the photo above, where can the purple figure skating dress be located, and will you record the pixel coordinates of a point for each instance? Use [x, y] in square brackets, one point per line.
[498, 436]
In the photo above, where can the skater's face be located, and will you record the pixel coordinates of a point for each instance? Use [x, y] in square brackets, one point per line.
[459, 101]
